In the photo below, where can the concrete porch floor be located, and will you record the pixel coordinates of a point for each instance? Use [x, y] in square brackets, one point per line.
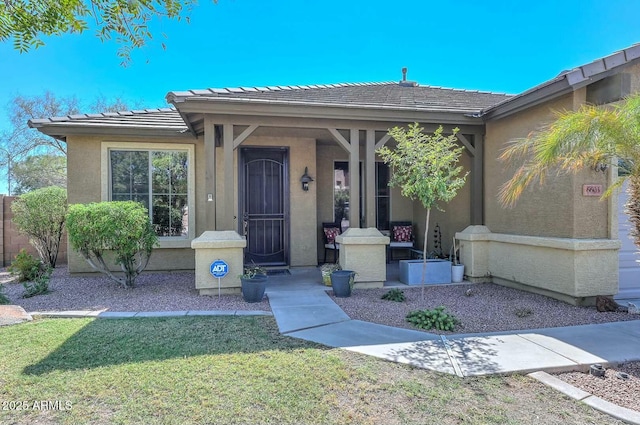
[302, 278]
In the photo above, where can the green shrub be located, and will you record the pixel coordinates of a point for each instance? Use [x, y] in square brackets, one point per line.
[120, 227]
[394, 295]
[433, 319]
[523, 312]
[3, 297]
[25, 266]
[40, 215]
[39, 285]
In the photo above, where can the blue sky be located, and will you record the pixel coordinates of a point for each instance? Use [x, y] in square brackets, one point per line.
[501, 46]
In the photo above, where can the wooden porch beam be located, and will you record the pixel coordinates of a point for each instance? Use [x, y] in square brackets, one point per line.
[467, 144]
[341, 140]
[382, 141]
[243, 136]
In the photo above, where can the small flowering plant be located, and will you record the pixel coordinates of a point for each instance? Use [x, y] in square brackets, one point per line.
[326, 269]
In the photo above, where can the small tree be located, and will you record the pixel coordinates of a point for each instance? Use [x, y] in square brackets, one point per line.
[40, 214]
[38, 171]
[120, 227]
[425, 168]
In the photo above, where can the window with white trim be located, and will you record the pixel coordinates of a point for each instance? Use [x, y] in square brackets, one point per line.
[159, 180]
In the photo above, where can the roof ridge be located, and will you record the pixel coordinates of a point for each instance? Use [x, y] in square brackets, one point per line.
[276, 88]
[273, 88]
[467, 90]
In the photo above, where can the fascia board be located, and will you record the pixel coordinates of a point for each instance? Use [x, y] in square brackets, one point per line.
[576, 79]
[61, 131]
[322, 111]
[526, 101]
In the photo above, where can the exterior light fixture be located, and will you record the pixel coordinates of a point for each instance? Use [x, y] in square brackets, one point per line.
[305, 179]
[600, 166]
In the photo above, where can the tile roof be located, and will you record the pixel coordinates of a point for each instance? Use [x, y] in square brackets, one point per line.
[161, 118]
[382, 96]
[574, 78]
[386, 94]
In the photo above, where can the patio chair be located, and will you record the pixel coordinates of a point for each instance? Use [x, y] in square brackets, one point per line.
[329, 233]
[401, 237]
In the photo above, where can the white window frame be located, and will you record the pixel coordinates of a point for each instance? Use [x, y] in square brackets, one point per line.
[107, 147]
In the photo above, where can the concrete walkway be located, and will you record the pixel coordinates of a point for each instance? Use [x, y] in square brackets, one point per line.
[304, 310]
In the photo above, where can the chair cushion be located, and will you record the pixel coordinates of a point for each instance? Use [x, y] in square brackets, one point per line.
[402, 233]
[401, 245]
[330, 233]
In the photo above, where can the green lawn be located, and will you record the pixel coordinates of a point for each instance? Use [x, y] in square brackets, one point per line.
[234, 370]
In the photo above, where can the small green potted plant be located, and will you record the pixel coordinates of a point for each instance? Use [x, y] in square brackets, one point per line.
[254, 283]
[326, 269]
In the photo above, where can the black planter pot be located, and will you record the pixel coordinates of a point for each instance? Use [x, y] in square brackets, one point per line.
[341, 283]
[253, 288]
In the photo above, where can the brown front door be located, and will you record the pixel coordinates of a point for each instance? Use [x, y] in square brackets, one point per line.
[264, 205]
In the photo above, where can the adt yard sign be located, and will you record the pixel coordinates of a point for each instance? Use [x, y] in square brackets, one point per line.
[219, 268]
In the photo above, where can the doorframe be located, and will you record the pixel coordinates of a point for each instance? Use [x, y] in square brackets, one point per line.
[287, 193]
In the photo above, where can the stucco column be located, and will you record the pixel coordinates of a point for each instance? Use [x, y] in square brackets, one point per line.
[364, 252]
[474, 252]
[219, 245]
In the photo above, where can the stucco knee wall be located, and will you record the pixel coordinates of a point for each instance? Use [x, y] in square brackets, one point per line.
[162, 259]
[572, 270]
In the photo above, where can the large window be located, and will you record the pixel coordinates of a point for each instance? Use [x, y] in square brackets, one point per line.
[341, 194]
[159, 180]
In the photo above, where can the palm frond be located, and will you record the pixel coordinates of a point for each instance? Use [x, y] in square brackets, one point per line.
[575, 140]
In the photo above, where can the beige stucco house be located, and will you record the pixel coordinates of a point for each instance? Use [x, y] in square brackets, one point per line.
[233, 159]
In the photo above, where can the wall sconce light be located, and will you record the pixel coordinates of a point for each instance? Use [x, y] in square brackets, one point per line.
[305, 179]
[600, 166]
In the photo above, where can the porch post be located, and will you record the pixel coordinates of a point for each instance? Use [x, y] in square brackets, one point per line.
[210, 173]
[370, 180]
[477, 182]
[354, 178]
[226, 222]
[474, 149]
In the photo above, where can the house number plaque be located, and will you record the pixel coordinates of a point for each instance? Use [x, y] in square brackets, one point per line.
[592, 190]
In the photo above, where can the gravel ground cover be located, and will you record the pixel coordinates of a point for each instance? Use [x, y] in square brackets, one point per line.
[153, 292]
[611, 387]
[483, 307]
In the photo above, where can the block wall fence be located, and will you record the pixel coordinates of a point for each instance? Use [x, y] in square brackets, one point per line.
[13, 241]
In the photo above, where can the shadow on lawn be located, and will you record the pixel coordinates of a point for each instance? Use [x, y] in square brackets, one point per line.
[104, 342]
